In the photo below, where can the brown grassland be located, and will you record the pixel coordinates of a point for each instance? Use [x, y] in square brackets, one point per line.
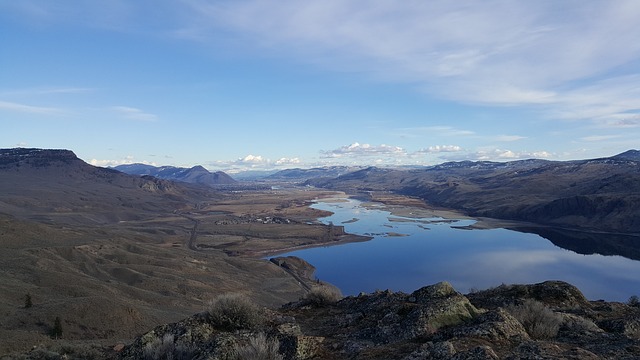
[112, 279]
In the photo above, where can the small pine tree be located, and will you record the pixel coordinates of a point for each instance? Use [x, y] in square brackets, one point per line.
[27, 301]
[56, 332]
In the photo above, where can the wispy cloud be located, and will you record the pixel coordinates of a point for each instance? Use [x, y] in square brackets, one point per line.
[23, 108]
[600, 137]
[493, 52]
[438, 130]
[134, 113]
[509, 138]
[360, 150]
[112, 14]
[46, 90]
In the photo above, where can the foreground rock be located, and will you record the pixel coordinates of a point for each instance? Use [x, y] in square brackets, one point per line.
[434, 322]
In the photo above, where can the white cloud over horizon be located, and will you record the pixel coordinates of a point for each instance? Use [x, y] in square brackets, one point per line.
[357, 149]
[500, 155]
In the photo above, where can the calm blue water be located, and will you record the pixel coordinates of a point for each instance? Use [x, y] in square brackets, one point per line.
[468, 259]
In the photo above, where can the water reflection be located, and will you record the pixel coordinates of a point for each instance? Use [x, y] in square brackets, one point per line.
[590, 243]
[430, 250]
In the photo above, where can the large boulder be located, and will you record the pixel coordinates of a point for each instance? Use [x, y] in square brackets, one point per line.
[558, 294]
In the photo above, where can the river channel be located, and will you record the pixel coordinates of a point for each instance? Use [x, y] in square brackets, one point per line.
[408, 253]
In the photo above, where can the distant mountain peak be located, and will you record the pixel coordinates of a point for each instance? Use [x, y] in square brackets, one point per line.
[199, 168]
[195, 175]
[629, 155]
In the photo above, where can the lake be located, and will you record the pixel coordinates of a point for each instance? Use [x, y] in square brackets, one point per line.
[408, 253]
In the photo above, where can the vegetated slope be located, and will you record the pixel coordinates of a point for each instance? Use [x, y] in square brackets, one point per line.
[107, 252]
[597, 194]
[194, 175]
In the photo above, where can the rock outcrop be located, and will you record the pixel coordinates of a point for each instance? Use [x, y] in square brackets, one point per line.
[434, 322]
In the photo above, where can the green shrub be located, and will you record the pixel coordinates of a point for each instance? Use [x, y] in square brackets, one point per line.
[56, 331]
[232, 311]
[323, 295]
[539, 321]
[634, 301]
[27, 301]
[259, 348]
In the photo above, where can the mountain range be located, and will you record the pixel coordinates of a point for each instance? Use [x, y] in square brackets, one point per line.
[194, 175]
[595, 194]
[111, 255]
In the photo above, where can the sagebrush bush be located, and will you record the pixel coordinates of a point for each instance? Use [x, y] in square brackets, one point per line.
[323, 295]
[233, 311]
[165, 348]
[258, 348]
[539, 321]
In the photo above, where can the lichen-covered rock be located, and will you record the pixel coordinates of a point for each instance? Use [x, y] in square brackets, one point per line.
[301, 347]
[387, 317]
[558, 294]
[496, 326]
[439, 306]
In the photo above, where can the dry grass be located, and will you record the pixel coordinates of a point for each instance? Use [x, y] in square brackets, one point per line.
[323, 295]
[166, 349]
[233, 311]
[259, 348]
[539, 321]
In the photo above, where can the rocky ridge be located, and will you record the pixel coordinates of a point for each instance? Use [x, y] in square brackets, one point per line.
[434, 322]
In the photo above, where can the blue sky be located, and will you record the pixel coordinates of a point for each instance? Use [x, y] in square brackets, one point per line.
[250, 84]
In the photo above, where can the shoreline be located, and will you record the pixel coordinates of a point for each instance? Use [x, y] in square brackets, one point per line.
[397, 205]
[344, 239]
